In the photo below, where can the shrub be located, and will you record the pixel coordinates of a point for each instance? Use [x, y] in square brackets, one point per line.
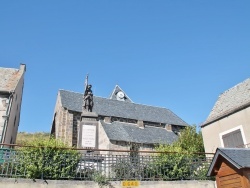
[47, 159]
[179, 161]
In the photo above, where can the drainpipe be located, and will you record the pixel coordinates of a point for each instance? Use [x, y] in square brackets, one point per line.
[7, 118]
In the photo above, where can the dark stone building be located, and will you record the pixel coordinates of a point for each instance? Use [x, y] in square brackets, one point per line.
[121, 123]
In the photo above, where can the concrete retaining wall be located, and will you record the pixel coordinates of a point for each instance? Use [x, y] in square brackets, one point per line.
[26, 183]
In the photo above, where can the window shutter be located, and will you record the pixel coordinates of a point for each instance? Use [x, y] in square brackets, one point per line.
[233, 139]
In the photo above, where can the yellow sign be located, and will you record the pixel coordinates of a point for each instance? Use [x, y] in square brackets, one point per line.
[130, 184]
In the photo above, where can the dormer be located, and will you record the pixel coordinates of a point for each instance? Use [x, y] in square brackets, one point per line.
[120, 95]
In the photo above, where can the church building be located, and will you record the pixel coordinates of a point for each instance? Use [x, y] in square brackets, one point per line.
[112, 123]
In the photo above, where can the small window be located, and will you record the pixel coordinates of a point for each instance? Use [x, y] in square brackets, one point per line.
[233, 139]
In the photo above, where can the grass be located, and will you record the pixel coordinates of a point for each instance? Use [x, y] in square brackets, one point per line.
[23, 137]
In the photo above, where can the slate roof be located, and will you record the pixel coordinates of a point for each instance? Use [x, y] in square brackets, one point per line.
[8, 79]
[132, 133]
[230, 101]
[109, 107]
[238, 157]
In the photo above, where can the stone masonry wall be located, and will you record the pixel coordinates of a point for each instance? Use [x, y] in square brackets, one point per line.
[64, 125]
[76, 128]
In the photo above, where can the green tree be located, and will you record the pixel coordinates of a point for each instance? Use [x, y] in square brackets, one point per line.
[180, 159]
[47, 158]
[189, 140]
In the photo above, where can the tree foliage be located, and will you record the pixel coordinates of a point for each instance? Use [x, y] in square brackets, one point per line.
[189, 140]
[180, 159]
[47, 158]
[183, 159]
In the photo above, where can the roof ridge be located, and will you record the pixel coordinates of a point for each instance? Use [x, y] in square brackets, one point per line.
[69, 91]
[9, 68]
[117, 100]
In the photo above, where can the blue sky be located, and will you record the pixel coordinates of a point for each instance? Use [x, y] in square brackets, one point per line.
[176, 54]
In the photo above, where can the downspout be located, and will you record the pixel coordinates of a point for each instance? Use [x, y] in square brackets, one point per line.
[7, 118]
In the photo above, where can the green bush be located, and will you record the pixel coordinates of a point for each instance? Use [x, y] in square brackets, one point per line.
[180, 160]
[173, 165]
[47, 159]
[125, 169]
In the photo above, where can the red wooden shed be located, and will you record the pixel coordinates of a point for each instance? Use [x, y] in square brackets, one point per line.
[231, 166]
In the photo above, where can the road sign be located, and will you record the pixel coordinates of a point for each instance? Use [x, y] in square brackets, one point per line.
[130, 184]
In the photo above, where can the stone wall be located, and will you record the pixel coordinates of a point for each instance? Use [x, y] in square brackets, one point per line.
[26, 183]
[66, 124]
[76, 128]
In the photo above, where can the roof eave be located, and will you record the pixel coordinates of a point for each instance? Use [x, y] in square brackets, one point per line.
[227, 114]
[213, 163]
[6, 91]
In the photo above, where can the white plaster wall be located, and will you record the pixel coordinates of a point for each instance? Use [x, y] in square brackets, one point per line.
[211, 133]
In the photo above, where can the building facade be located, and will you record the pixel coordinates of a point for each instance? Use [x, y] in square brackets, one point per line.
[121, 123]
[228, 124]
[11, 91]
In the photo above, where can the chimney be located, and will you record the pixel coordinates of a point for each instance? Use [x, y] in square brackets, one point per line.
[23, 67]
[140, 123]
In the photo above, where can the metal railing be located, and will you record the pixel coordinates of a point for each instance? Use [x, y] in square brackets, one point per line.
[131, 166]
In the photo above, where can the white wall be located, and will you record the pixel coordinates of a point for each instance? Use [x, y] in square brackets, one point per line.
[212, 133]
